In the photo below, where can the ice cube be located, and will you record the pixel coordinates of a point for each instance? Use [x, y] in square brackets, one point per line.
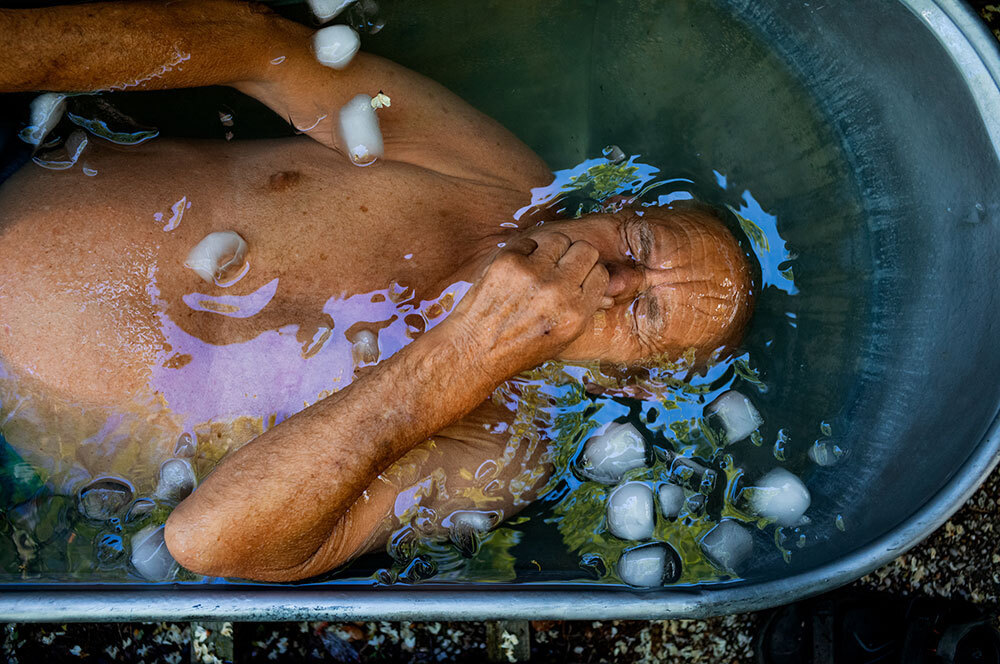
[630, 511]
[671, 500]
[608, 456]
[176, 480]
[649, 565]
[780, 496]
[734, 415]
[727, 545]
[150, 557]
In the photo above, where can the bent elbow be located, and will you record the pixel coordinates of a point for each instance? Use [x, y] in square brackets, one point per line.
[194, 544]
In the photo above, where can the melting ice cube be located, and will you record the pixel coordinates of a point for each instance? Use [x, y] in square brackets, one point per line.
[608, 456]
[630, 511]
[734, 415]
[780, 496]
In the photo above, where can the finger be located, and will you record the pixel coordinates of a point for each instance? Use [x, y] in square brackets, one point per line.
[551, 246]
[578, 259]
[522, 245]
[595, 284]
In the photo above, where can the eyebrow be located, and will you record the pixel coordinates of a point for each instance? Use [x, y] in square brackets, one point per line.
[645, 240]
[652, 307]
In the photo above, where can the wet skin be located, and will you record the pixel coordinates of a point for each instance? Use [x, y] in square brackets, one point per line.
[99, 315]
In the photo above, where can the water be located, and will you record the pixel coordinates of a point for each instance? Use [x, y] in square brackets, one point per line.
[697, 108]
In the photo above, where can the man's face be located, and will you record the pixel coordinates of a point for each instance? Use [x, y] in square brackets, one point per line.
[679, 281]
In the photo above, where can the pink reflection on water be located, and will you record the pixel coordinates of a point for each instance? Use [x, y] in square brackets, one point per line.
[274, 374]
[235, 306]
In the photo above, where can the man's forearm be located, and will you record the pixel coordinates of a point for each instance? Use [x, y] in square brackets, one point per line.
[274, 502]
[135, 45]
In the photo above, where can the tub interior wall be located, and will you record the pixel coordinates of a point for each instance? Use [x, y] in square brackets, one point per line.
[848, 123]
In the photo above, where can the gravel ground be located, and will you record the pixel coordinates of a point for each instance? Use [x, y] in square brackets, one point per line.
[961, 560]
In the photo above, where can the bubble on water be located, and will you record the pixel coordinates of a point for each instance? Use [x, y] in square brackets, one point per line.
[825, 453]
[104, 498]
[594, 565]
[696, 504]
[364, 348]
[150, 557]
[186, 446]
[727, 545]
[96, 115]
[733, 416]
[781, 446]
[670, 498]
[780, 496]
[649, 565]
[613, 154]
[109, 548]
[364, 17]
[466, 528]
[608, 456]
[139, 510]
[176, 480]
[419, 569]
[630, 511]
[63, 157]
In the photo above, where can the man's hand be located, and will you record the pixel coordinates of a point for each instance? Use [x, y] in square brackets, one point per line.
[535, 298]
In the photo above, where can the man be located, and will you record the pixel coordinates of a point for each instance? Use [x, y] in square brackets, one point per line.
[111, 336]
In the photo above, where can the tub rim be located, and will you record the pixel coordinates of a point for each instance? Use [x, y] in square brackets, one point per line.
[976, 54]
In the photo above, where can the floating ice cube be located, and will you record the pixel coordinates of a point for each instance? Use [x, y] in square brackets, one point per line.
[630, 511]
[360, 131]
[335, 46]
[326, 10]
[104, 498]
[176, 480]
[727, 545]
[150, 557]
[824, 453]
[218, 257]
[649, 565]
[671, 500]
[364, 347]
[608, 456]
[46, 111]
[466, 528]
[734, 415]
[780, 496]
[186, 446]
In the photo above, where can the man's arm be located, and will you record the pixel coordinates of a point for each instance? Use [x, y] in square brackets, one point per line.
[279, 500]
[188, 43]
[136, 45]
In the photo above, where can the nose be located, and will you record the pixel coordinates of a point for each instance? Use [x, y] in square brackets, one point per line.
[624, 282]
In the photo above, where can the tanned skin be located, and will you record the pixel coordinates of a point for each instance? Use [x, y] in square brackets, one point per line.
[92, 292]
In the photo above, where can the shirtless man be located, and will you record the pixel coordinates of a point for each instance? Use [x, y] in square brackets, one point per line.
[98, 313]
